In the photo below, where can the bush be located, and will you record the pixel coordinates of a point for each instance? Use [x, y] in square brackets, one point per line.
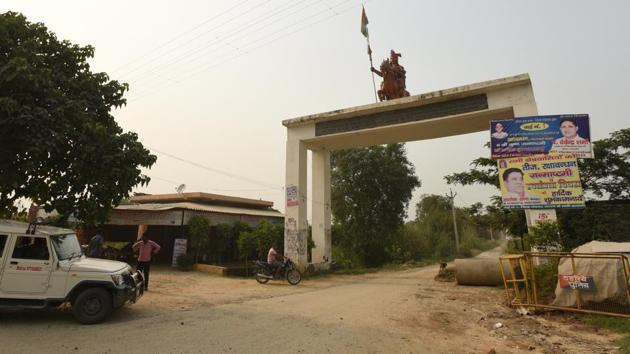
[445, 248]
[199, 230]
[545, 235]
[227, 239]
[471, 244]
[247, 245]
[257, 242]
[185, 261]
[344, 259]
[412, 246]
[546, 279]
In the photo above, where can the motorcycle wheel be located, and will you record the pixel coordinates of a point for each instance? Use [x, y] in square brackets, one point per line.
[261, 280]
[294, 276]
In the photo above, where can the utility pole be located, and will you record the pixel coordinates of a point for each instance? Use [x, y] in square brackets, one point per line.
[451, 197]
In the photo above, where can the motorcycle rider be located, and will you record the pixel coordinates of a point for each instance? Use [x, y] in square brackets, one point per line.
[274, 259]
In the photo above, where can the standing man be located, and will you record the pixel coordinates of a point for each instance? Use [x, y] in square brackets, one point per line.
[146, 249]
[96, 245]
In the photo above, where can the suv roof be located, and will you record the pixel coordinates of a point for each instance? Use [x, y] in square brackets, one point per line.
[12, 226]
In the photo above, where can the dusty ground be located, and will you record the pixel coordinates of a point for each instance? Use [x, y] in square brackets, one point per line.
[387, 312]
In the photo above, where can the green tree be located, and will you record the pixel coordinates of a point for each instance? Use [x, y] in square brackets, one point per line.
[59, 143]
[247, 245]
[430, 205]
[371, 189]
[507, 219]
[258, 241]
[483, 171]
[199, 232]
[220, 238]
[600, 220]
[225, 240]
[431, 234]
[434, 225]
[608, 174]
[480, 219]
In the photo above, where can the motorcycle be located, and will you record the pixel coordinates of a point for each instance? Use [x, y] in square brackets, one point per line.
[266, 272]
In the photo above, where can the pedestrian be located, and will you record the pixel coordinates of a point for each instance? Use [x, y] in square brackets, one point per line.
[146, 249]
[96, 245]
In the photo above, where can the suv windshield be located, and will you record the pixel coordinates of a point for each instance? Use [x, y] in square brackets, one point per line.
[66, 246]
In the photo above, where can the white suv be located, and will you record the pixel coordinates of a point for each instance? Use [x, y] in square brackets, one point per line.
[47, 268]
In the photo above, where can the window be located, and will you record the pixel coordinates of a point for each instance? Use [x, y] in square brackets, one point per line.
[3, 240]
[27, 247]
[66, 246]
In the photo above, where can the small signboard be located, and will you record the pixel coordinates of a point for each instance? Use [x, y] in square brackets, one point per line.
[537, 216]
[567, 134]
[540, 182]
[292, 196]
[179, 249]
[577, 282]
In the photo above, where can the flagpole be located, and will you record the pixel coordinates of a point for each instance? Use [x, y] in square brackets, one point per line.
[371, 66]
[364, 31]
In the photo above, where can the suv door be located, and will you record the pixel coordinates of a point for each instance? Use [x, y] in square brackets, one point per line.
[3, 242]
[28, 266]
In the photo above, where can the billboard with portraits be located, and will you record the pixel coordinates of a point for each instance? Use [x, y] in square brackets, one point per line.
[540, 182]
[567, 134]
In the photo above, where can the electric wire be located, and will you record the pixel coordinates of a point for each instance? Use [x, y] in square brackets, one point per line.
[216, 170]
[270, 187]
[197, 53]
[196, 71]
[163, 45]
[174, 183]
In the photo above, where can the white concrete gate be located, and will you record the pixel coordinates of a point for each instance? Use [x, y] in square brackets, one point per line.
[454, 111]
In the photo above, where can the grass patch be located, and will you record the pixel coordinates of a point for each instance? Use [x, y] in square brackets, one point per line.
[617, 324]
[624, 344]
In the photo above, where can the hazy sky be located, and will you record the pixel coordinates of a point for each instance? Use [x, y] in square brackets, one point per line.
[211, 81]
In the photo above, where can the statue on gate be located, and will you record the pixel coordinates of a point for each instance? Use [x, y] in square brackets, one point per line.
[394, 76]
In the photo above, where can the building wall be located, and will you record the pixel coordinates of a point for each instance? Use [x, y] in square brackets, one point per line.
[142, 217]
[174, 217]
[163, 235]
[165, 226]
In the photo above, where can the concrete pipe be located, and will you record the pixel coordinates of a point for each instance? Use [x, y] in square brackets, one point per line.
[477, 271]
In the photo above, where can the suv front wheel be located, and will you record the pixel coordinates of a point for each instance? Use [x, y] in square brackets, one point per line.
[92, 305]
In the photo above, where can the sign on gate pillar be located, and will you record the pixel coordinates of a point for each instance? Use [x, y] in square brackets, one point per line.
[536, 216]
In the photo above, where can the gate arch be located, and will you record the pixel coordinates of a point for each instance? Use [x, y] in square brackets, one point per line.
[453, 111]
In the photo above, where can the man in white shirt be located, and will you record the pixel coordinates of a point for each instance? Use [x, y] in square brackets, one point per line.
[570, 137]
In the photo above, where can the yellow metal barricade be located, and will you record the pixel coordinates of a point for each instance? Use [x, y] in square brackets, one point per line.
[580, 282]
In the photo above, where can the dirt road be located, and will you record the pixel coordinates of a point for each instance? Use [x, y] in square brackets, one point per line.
[387, 312]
